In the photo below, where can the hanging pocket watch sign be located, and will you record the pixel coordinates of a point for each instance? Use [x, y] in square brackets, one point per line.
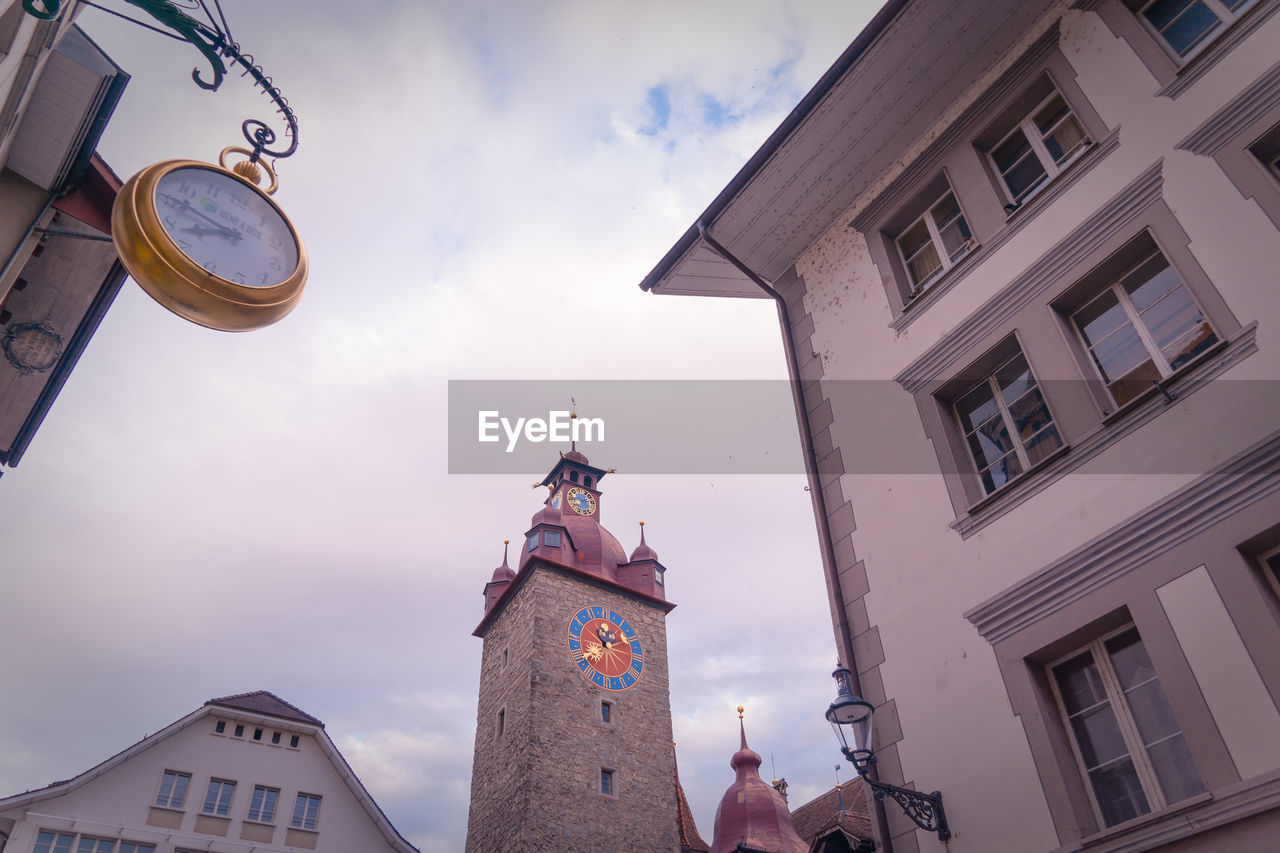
[205, 242]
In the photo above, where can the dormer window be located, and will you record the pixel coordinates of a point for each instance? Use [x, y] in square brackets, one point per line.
[551, 538]
[657, 576]
[533, 541]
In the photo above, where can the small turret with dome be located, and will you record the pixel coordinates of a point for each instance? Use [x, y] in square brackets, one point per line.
[752, 813]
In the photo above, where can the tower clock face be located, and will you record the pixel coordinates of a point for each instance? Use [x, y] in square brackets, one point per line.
[605, 649]
[581, 501]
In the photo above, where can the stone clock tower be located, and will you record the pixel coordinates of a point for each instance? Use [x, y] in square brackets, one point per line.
[573, 744]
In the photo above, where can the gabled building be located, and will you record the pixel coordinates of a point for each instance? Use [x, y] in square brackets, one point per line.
[243, 772]
[1024, 259]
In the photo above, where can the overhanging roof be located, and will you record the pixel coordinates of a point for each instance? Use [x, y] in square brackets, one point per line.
[912, 61]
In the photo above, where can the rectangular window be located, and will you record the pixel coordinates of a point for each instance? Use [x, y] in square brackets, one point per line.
[257, 734]
[1142, 328]
[1038, 148]
[533, 541]
[95, 845]
[305, 811]
[1187, 25]
[502, 722]
[173, 789]
[1123, 729]
[293, 741]
[134, 847]
[239, 730]
[220, 727]
[935, 242]
[218, 800]
[48, 842]
[275, 737]
[606, 712]
[1007, 426]
[262, 807]
[551, 538]
[659, 577]
[606, 782]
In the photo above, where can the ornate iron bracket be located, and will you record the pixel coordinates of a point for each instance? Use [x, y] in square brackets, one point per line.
[214, 41]
[925, 810]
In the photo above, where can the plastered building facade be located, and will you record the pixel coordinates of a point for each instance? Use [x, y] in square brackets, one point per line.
[1024, 256]
[243, 772]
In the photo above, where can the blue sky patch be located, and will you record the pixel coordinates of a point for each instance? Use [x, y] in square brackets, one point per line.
[660, 106]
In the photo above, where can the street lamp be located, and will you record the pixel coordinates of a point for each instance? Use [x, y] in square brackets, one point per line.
[850, 717]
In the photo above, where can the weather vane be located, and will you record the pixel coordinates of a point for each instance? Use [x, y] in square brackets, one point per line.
[206, 241]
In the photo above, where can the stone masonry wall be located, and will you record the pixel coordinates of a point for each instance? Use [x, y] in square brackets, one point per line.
[537, 787]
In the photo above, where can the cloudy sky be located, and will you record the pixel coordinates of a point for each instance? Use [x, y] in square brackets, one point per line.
[480, 187]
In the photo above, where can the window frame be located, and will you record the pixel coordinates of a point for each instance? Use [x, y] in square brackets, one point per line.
[219, 805]
[1137, 750]
[991, 364]
[1140, 328]
[1271, 572]
[934, 233]
[168, 797]
[608, 782]
[300, 821]
[269, 820]
[94, 844]
[606, 711]
[1030, 130]
[1226, 18]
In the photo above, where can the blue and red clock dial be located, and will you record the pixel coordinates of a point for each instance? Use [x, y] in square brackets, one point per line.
[605, 648]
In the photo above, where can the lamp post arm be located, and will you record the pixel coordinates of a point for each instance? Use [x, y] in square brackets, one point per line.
[925, 810]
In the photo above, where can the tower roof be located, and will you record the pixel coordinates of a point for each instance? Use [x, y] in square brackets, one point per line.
[503, 572]
[751, 812]
[643, 551]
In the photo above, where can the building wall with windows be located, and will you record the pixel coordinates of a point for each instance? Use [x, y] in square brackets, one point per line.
[243, 772]
[1027, 275]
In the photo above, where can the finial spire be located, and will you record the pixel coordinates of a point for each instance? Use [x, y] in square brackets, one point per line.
[742, 728]
[573, 414]
[506, 543]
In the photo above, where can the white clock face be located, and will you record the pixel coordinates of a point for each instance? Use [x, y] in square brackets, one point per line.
[226, 226]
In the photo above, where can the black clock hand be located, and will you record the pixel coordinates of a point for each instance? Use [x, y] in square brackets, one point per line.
[182, 204]
[200, 231]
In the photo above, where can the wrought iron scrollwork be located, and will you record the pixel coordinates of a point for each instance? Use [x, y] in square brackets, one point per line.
[213, 40]
[925, 810]
[47, 10]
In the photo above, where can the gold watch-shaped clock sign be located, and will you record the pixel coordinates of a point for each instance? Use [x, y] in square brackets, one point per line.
[605, 648]
[581, 501]
[205, 242]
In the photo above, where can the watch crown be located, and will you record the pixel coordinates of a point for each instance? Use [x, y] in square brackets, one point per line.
[249, 171]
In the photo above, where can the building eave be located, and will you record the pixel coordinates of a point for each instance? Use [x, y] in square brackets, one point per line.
[595, 580]
[780, 135]
[847, 133]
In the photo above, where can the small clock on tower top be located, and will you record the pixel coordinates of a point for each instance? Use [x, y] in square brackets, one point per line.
[574, 484]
